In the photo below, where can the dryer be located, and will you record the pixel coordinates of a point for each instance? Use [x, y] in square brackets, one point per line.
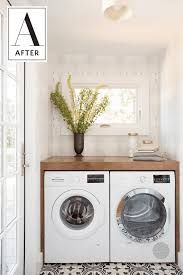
[76, 217]
[142, 210]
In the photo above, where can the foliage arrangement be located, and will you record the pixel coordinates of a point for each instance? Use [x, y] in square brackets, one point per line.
[84, 108]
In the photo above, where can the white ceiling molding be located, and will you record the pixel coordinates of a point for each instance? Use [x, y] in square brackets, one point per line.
[29, 2]
[20, 2]
[39, 2]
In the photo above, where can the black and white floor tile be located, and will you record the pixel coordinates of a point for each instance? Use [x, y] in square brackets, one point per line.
[111, 269]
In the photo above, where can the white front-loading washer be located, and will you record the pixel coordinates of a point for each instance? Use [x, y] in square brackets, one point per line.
[142, 226]
[76, 217]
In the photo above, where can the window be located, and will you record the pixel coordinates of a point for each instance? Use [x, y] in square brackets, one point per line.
[122, 108]
[128, 110]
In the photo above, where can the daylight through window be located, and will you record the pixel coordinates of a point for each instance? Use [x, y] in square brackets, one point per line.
[122, 108]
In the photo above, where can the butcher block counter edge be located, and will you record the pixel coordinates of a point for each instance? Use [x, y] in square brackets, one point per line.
[107, 164]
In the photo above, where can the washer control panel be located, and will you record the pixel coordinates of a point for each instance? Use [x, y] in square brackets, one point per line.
[161, 178]
[98, 178]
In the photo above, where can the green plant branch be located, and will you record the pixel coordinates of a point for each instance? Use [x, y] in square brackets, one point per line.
[84, 109]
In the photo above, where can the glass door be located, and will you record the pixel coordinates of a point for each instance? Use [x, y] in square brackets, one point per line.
[141, 215]
[11, 174]
[77, 212]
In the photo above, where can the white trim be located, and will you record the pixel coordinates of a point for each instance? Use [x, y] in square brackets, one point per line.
[20, 2]
[180, 259]
[18, 220]
[39, 264]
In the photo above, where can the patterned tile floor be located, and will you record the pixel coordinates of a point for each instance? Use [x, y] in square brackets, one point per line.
[111, 269]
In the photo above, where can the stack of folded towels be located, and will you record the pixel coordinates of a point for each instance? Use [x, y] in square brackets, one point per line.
[148, 154]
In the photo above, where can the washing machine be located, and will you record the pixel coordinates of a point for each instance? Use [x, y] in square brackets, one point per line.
[142, 226]
[76, 217]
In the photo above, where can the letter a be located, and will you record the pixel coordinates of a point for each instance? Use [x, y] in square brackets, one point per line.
[31, 31]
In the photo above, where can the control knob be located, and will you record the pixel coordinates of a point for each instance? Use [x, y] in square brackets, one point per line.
[143, 179]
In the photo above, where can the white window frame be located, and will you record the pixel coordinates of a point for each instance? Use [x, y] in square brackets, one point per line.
[143, 110]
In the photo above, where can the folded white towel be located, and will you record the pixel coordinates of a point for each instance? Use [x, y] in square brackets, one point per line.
[147, 154]
[147, 148]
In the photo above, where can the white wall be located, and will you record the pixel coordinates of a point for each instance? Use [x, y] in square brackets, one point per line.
[179, 133]
[171, 124]
[36, 121]
[106, 69]
[168, 98]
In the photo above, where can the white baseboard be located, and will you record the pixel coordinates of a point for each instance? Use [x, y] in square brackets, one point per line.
[180, 259]
[39, 264]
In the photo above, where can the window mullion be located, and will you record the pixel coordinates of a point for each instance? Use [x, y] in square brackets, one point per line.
[7, 229]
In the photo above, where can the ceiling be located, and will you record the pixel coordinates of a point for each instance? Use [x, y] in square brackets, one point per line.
[80, 25]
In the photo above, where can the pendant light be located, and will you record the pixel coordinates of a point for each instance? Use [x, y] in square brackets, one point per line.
[116, 9]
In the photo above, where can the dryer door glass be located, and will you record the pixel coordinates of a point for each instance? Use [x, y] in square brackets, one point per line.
[143, 215]
[76, 212]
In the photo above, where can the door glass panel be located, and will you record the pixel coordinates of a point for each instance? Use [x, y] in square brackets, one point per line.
[77, 212]
[1, 151]
[1, 206]
[144, 216]
[1, 98]
[11, 150]
[1, 42]
[10, 250]
[0, 257]
[10, 197]
[10, 115]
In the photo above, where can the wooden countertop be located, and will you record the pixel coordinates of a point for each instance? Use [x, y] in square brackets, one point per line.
[105, 163]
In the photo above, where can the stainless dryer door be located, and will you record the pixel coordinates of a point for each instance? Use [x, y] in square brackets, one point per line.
[141, 215]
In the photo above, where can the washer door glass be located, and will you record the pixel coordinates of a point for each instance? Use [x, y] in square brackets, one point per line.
[143, 216]
[76, 212]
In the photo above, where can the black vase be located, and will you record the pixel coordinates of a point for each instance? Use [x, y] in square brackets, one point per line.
[78, 144]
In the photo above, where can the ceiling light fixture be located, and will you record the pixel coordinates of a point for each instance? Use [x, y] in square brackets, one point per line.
[117, 9]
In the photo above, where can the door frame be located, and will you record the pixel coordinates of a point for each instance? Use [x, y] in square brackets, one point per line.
[20, 153]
